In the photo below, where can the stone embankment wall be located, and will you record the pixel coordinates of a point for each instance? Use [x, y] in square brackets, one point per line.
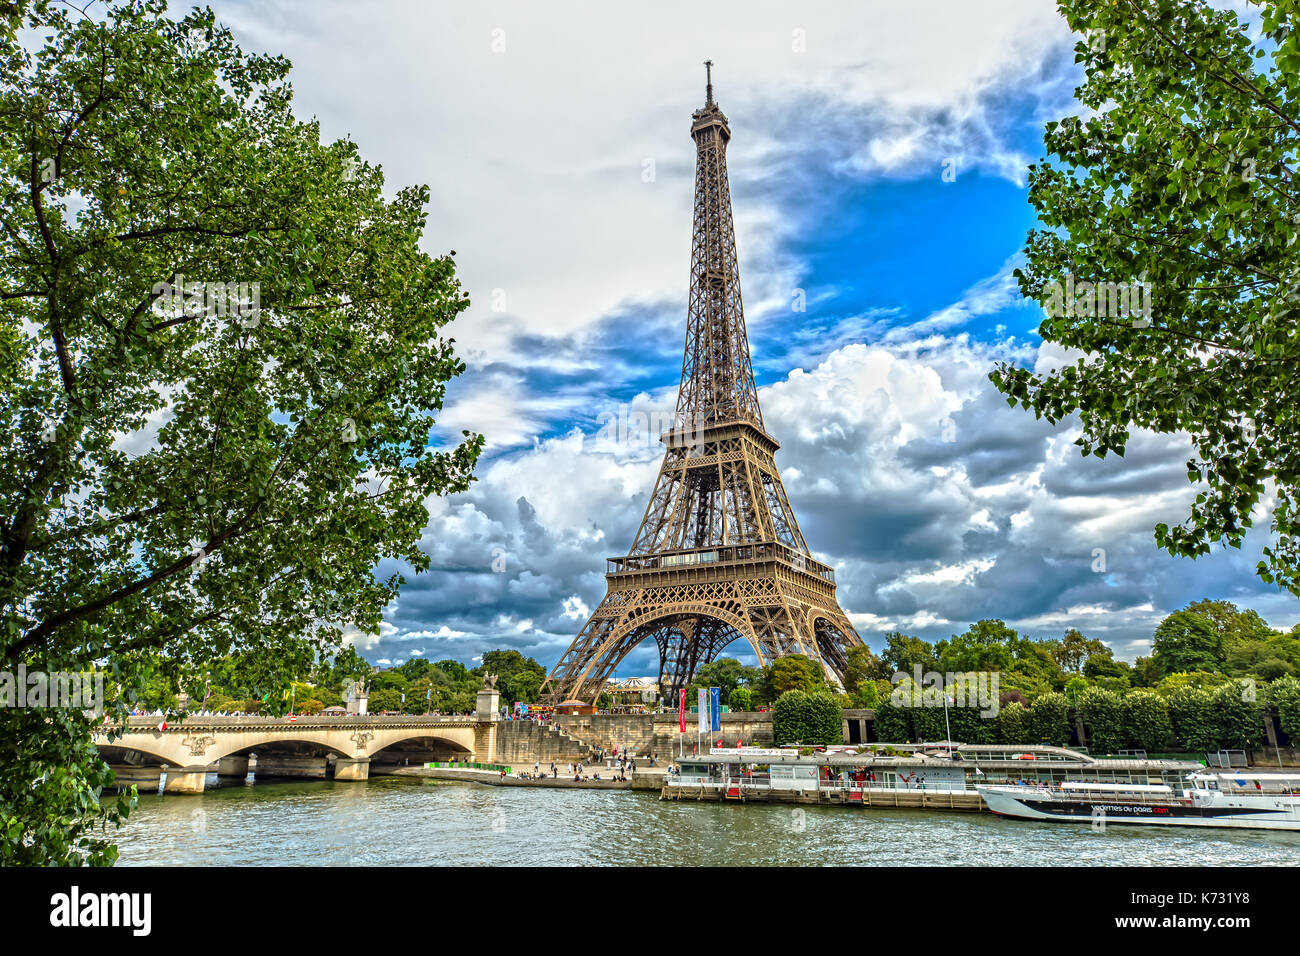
[526, 741]
[658, 734]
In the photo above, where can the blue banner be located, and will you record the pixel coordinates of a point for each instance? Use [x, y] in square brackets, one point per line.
[715, 709]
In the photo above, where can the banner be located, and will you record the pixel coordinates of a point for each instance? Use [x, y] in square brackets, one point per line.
[715, 709]
[681, 708]
[704, 711]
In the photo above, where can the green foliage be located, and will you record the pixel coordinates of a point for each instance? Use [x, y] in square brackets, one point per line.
[1048, 720]
[742, 699]
[862, 670]
[867, 695]
[903, 652]
[1178, 171]
[278, 455]
[892, 723]
[1104, 671]
[1197, 680]
[1103, 719]
[1146, 673]
[1284, 694]
[1146, 720]
[1191, 709]
[518, 677]
[1074, 649]
[799, 717]
[1187, 641]
[1238, 722]
[383, 700]
[1013, 724]
[727, 674]
[794, 672]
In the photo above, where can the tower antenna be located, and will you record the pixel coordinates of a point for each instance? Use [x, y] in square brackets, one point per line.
[708, 75]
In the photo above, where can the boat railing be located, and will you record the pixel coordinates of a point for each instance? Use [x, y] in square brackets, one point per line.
[1056, 793]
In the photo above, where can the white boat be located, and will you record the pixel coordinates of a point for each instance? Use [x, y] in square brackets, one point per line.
[1257, 801]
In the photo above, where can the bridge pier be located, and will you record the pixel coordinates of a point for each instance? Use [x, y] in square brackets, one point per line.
[185, 779]
[233, 767]
[274, 765]
[352, 769]
[488, 714]
[146, 779]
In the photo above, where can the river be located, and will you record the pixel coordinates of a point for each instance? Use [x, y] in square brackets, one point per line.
[397, 822]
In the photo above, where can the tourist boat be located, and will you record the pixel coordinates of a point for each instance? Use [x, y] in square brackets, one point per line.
[1257, 801]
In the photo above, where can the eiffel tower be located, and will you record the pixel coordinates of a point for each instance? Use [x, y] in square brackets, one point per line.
[719, 556]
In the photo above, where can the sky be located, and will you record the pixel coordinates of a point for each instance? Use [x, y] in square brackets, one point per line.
[555, 142]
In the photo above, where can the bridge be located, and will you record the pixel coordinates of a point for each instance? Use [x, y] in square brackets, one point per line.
[344, 747]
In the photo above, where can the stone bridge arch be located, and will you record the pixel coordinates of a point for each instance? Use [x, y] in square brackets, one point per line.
[189, 748]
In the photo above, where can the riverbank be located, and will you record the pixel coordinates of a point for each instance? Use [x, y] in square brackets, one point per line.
[648, 779]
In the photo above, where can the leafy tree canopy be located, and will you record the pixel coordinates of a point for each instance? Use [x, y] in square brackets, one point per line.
[220, 361]
[1179, 175]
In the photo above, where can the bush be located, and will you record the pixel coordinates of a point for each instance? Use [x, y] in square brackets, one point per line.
[1146, 720]
[742, 698]
[1191, 711]
[807, 718]
[1013, 723]
[970, 727]
[892, 724]
[1103, 719]
[1238, 723]
[1048, 720]
[1284, 694]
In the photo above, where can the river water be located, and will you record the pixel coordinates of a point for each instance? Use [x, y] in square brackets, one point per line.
[401, 822]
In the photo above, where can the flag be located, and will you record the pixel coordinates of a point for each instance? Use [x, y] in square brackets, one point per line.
[703, 711]
[681, 708]
[209, 691]
[715, 709]
[162, 726]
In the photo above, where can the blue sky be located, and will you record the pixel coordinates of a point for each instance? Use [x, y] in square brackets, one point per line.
[535, 125]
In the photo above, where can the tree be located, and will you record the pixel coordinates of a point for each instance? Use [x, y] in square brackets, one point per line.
[1074, 649]
[1146, 673]
[1104, 670]
[1179, 175]
[742, 699]
[518, 677]
[794, 672]
[186, 264]
[863, 668]
[986, 645]
[903, 652]
[1187, 641]
[726, 674]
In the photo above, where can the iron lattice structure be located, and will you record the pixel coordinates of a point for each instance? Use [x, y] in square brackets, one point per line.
[719, 555]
